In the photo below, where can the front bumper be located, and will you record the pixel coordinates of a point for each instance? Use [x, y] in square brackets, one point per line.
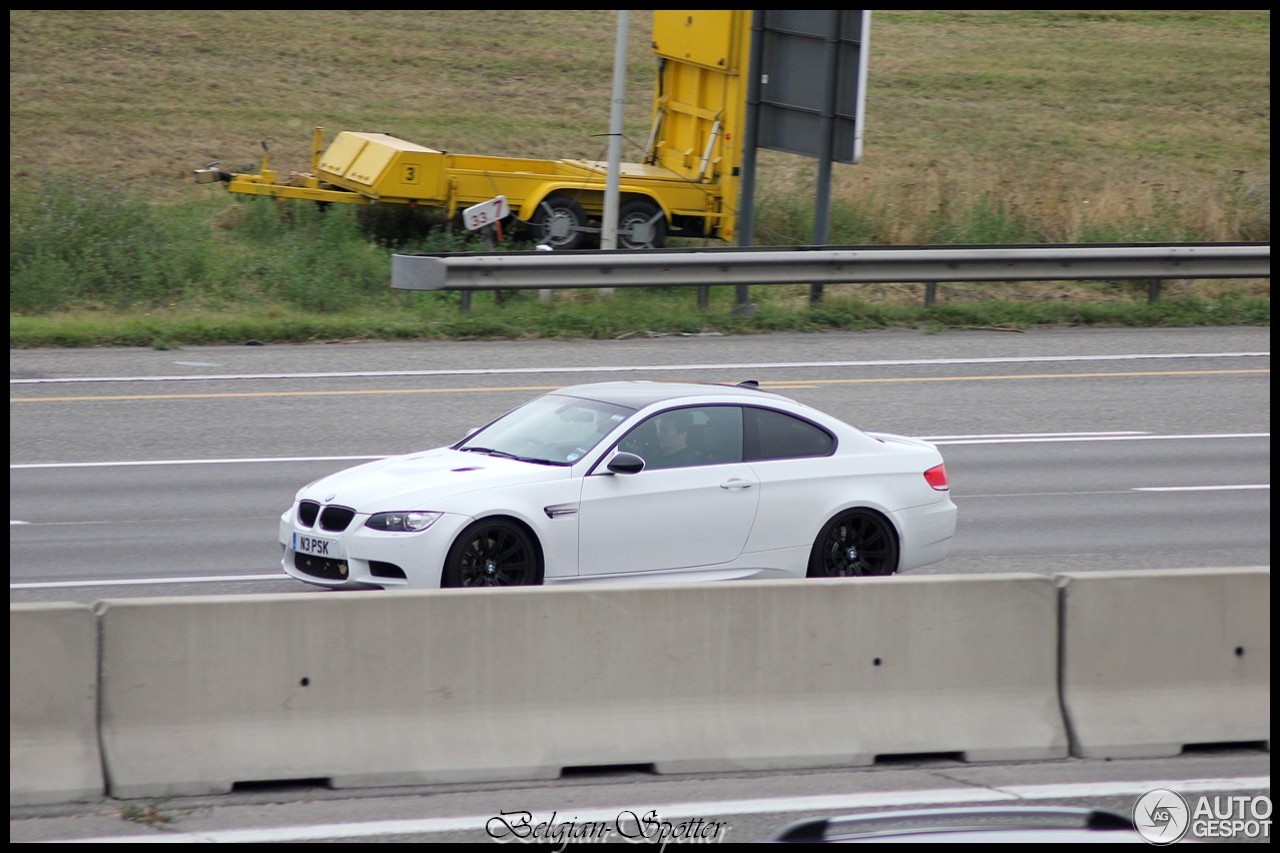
[361, 558]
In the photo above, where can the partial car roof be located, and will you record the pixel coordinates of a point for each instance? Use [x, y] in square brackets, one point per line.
[640, 393]
[981, 823]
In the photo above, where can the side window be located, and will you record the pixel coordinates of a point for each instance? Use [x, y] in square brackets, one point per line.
[777, 435]
[680, 438]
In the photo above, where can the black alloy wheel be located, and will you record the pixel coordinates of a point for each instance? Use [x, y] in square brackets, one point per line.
[493, 553]
[855, 543]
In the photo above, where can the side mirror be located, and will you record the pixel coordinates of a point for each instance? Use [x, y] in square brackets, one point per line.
[626, 463]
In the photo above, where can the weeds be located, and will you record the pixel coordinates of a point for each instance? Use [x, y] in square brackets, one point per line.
[149, 815]
[90, 267]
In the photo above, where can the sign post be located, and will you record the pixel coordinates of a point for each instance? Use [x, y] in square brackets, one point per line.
[486, 217]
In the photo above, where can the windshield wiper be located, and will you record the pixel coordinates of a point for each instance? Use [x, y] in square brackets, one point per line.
[490, 451]
[502, 454]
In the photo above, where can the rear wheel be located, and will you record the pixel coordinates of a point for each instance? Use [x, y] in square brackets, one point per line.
[561, 223]
[855, 543]
[493, 552]
[641, 225]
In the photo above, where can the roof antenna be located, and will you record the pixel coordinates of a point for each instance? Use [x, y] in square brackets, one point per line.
[749, 383]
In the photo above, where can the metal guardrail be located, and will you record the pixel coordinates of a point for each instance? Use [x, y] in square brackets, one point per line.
[818, 265]
[827, 264]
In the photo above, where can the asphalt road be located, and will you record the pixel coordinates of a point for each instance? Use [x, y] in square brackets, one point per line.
[737, 806]
[138, 472]
[141, 473]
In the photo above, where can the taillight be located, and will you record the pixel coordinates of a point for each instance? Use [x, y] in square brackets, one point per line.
[937, 477]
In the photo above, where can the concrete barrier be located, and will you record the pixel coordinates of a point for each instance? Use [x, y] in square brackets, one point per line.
[54, 755]
[459, 685]
[1154, 661]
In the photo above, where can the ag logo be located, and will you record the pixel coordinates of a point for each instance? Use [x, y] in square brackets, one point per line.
[1161, 816]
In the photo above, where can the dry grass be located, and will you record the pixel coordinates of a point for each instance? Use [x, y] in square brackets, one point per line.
[144, 97]
[1071, 114]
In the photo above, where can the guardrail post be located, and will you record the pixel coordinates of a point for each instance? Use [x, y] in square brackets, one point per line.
[704, 296]
[491, 235]
[930, 293]
[1153, 290]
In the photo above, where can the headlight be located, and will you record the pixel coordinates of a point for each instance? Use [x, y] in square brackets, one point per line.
[402, 522]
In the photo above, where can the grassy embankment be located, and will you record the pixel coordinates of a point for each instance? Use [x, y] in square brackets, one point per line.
[982, 127]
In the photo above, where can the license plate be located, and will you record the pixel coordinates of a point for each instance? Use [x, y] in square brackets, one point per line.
[317, 546]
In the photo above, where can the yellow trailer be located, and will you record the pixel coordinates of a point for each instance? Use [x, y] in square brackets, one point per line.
[686, 186]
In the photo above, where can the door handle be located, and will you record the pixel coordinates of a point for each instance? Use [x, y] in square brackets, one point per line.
[735, 484]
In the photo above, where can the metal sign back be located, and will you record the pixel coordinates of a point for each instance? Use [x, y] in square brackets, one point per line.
[813, 72]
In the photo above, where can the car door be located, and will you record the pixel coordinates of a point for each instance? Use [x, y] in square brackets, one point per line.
[799, 485]
[691, 513]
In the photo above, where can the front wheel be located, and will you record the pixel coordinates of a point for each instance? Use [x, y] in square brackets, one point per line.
[493, 552]
[855, 543]
[561, 223]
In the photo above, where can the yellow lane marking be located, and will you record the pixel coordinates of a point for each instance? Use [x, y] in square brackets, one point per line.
[783, 384]
[766, 385]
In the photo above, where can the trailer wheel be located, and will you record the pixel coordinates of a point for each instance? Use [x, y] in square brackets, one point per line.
[561, 223]
[641, 225]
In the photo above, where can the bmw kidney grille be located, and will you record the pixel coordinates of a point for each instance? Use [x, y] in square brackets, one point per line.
[333, 519]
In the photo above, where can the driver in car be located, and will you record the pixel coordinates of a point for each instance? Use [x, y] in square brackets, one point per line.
[673, 440]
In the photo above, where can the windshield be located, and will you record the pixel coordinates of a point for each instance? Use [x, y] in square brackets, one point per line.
[551, 430]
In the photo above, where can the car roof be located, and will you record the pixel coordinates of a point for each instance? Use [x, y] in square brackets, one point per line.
[968, 823]
[641, 393]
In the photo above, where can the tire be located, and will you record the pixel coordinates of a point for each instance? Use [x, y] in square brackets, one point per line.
[493, 552]
[561, 223]
[644, 216]
[855, 543]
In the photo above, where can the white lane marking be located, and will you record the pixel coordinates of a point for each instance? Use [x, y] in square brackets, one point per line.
[1015, 438]
[1201, 488]
[148, 581]
[685, 810]
[641, 368]
[233, 461]
[1017, 435]
[1088, 437]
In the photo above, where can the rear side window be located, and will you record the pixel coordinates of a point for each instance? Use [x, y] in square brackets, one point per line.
[776, 435]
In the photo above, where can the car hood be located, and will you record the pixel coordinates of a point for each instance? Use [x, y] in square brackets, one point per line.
[424, 480]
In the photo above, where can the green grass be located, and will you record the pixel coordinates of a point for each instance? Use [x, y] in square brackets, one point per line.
[982, 127]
